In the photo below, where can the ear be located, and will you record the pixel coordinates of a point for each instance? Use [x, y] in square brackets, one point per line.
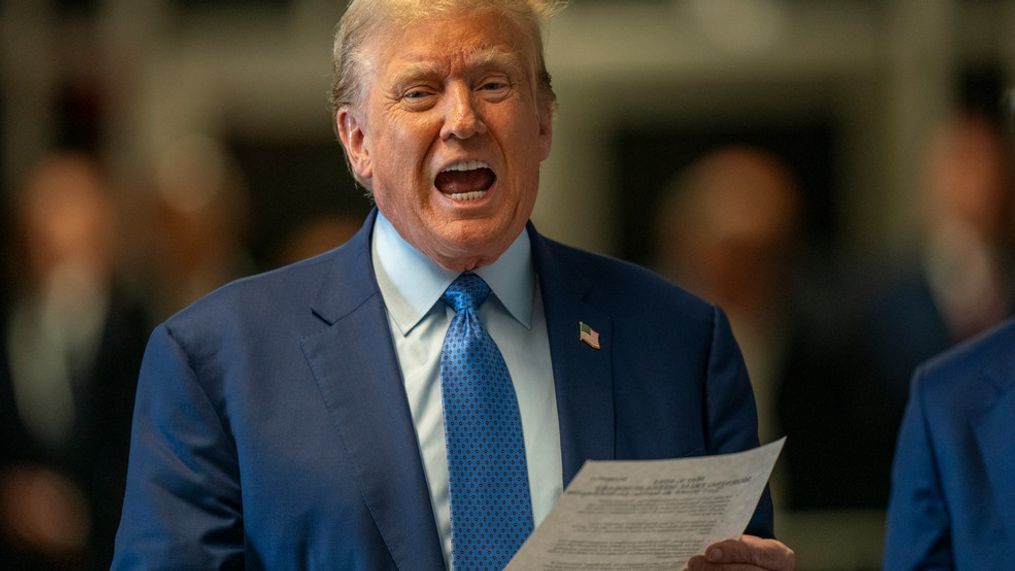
[545, 131]
[352, 131]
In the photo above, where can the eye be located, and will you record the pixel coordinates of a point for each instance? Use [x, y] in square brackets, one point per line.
[416, 93]
[494, 88]
[418, 98]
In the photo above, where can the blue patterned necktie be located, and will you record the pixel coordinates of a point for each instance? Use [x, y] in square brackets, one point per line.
[491, 508]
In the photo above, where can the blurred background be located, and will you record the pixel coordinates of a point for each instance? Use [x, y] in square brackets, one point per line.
[834, 173]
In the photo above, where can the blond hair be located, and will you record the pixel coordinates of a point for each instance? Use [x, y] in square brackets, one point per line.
[365, 18]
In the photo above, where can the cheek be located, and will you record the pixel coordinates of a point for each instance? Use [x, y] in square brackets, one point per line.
[531, 141]
[398, 168]
[412, 139]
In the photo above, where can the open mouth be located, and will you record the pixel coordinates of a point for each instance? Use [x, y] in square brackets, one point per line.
[465, 180]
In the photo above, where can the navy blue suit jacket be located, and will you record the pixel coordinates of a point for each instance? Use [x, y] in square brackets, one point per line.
[953, 483]
[272, 428]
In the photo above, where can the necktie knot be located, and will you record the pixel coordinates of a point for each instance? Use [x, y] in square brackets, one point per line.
[468, 291]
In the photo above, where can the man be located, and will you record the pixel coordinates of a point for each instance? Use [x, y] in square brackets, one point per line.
[953, 500]
[71, 340]
[728, 230]
[298, 419]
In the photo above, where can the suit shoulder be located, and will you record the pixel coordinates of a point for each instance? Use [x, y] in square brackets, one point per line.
[948, 377]
[260, 298]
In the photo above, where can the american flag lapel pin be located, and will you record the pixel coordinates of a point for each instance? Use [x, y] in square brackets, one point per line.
[588, 335]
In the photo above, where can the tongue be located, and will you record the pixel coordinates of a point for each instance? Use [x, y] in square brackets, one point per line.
[458, 182]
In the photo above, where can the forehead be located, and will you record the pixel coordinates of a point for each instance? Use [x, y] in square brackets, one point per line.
[451, 43]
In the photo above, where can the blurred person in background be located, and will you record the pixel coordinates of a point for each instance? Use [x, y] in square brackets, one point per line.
[956, 284]
[729, 230]
[201, 218]
[71, 340]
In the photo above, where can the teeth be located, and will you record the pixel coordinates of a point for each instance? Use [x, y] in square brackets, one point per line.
[467, 166]
[467, 195]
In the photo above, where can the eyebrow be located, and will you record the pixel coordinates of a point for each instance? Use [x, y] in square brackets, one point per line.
[484, 58]
[496, 58]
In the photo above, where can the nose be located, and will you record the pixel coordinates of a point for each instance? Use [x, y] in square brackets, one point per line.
[462, 119]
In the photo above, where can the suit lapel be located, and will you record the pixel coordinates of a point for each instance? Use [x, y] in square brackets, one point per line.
[583, 376]
[995, 435]
[356, 369]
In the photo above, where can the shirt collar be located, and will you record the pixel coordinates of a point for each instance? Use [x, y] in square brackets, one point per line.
[411, 283]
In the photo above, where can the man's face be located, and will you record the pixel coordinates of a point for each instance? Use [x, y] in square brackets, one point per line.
[450, 135]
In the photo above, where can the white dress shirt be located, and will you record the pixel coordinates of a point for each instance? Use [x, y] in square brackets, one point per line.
[412, 286]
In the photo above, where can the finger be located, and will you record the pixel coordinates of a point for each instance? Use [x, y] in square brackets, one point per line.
[761, 553]
[729, 551]
[699, 563]
[771, 553]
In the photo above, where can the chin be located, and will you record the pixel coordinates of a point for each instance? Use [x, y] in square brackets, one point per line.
[468, 250]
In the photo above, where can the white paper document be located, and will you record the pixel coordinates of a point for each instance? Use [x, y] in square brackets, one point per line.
[651, 514]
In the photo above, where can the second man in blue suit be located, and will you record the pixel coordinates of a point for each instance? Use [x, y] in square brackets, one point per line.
[953, 482]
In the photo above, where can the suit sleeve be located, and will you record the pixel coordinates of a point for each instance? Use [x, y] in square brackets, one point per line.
[182, 507]
[918, 526]
[732, 416]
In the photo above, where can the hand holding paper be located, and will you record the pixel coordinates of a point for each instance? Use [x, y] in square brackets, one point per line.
[655, 514]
